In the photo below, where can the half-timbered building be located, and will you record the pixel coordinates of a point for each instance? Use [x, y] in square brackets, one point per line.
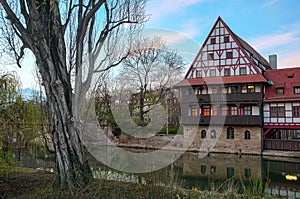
[282, 110]
[228, 82]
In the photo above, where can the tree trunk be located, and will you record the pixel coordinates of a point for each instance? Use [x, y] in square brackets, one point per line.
[49, 48]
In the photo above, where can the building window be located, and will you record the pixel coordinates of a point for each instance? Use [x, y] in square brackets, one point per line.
[296, 90]
[226, 39]
[280, 112]
[198, 74]
[212, 40]
[273, 111]
[203, 169]
[247, 135]
[280, 91]
[210, 56]
[227, 72]
[214, 110]
[194, 111]
[250, 89]
[203, 134]
[234, 89]
[247, 173]
[230, 172]
[244, 89]
[213, 134]
[233, 110]
[229, 55]
[296, 111]
[225, 110]
[247, 110]
[242, 70]
[212, 72]
[213, 169]
[206, 110]
[230, 133]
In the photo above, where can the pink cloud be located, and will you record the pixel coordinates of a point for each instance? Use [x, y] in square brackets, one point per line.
[289, 60]
[272, 41]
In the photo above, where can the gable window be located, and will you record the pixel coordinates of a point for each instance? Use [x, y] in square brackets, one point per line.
[203, 134]
[198, 74]
[247, 135]
[227, 72]
[242, 70]
[212, 72]
[213, 134]
[226, 39]
[296, 111]
[296, 90]
[280, 91]
[247, 110]
[230, 133]
[212, 40]
[210, 56]
[229, 55]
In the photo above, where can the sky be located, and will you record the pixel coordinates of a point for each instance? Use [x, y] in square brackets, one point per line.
[270, 26]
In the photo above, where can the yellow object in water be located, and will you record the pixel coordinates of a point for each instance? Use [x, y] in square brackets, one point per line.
[291, 177]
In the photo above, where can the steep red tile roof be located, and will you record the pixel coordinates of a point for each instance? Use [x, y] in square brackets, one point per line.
[257, 78]
[287, 78]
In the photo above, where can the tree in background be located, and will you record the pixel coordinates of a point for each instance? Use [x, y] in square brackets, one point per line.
[147, 72]
[71, 41]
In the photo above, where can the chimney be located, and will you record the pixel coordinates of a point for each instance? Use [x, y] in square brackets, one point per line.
[273, 61]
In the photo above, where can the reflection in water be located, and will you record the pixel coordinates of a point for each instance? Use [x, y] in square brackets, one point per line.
[191, 171]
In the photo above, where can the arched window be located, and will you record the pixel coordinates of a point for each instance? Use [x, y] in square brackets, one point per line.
[203, 134]
[213, 134]
[230, 133]
[247, 135]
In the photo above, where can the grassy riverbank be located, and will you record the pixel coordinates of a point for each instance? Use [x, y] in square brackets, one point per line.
[39, 185]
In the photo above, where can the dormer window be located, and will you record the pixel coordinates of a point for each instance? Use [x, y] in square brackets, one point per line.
[280, 91]
[296, 90]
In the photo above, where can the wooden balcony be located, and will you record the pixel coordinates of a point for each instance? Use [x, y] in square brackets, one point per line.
[236, 97]
[285, 145]
[251, 120]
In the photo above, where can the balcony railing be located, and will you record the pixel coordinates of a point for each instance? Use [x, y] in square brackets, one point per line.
[227, 120]
[233, 97]
[286, 145]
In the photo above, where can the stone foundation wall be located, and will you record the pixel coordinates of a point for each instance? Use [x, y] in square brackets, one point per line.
[192, 137]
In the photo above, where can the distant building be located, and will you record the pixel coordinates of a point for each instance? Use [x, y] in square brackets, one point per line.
[231, 81]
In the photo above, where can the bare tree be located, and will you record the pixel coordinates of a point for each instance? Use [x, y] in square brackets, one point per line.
[71, 40]
[149, 67]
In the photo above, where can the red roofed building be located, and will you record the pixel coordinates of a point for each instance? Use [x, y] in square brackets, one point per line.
[222, 95]
[233, 101]
[282, 110]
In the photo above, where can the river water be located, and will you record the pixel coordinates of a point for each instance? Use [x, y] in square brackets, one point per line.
[279, 176]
